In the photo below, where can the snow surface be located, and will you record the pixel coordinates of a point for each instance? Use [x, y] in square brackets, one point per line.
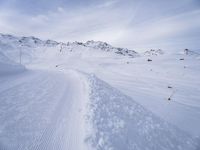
[121, 123]
[8, 67]
[95, 96]
[42, 110]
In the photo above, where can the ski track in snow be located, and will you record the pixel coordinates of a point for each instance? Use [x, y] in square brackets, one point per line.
[42, 112]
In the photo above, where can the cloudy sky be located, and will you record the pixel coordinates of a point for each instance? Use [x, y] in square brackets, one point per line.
[135, 24]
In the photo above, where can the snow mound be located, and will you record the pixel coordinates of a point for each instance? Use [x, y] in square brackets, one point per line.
[153, 52]
[7, 66]
[120, 123]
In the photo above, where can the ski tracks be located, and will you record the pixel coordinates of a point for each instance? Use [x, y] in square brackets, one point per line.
[44, 112]
[66, 130]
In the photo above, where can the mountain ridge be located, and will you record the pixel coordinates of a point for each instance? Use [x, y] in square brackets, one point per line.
[31, 41]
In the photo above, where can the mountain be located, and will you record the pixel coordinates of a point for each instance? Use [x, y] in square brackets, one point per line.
[107, 47]
[32, 47]
[153, 52]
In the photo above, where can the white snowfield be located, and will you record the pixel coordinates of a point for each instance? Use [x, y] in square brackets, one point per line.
[92, 96]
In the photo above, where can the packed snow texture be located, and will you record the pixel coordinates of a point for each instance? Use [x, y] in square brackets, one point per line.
[42, 111]
[95, 96]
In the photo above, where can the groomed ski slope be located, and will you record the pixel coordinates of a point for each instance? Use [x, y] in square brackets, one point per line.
[42, 110]
[81, 98]
[48, 110]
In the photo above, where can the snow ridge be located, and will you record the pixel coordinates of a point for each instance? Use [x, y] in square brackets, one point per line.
[107, 47]
[121, 123]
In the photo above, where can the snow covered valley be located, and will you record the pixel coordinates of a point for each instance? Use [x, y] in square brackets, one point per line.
[82, 96]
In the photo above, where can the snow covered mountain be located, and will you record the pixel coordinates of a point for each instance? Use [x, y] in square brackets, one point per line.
[93, 96]
[31, 47]
[154, 52]
[106, 47]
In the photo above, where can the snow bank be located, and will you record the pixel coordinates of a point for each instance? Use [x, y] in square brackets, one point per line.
[121, 123]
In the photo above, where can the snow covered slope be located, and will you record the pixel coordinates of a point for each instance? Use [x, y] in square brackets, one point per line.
[95, 96]
[121, 123]
[152, 83]
[7, 66]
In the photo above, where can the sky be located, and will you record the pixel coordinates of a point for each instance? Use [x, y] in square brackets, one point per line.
[134, 24]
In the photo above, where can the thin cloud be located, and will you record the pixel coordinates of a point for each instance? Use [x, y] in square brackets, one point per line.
[129, 23]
